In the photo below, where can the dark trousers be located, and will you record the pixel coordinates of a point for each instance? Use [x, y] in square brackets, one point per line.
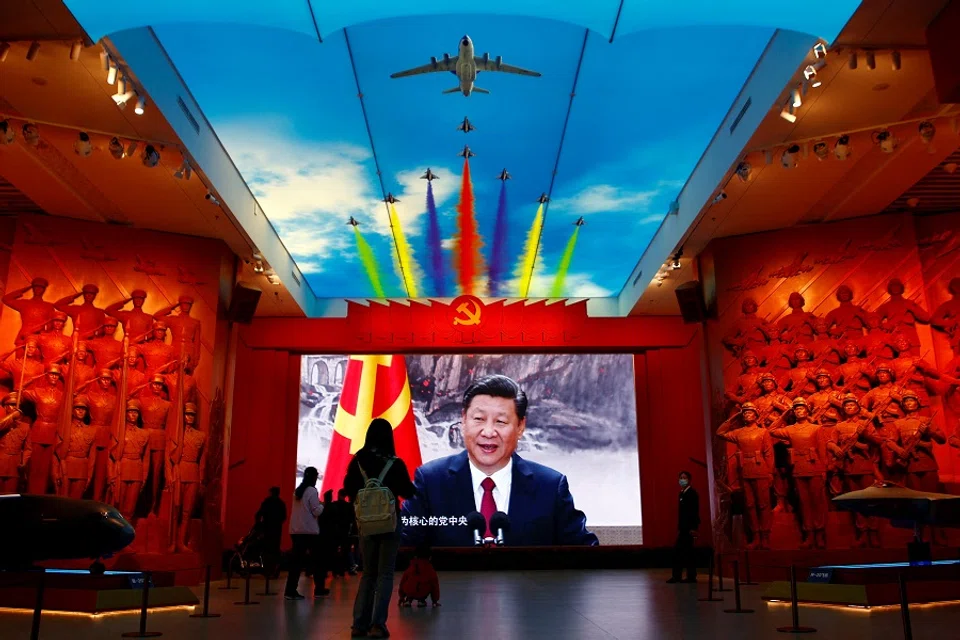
[304, 555]
[684, 557]
[376, 585]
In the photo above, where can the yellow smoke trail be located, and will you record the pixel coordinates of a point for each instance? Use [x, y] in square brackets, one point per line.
[404, 258]
[369, 263]
[529, 260]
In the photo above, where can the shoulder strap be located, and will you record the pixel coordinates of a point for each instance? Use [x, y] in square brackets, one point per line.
[363, 473]
[386, 468]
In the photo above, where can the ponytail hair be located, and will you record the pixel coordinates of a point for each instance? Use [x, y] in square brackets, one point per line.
[310, 475]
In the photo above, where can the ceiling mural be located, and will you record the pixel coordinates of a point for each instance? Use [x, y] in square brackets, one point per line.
[542, 184]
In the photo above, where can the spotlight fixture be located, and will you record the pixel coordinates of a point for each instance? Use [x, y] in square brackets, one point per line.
[122, 98]
[675, 261]
[789, 157]
[927, 131]
[151, 157]
[83, 146]
[796, 101]
[810, 73]
[258, 266]
[116, 148]
[821, 150]
[788, 113]
[820, 50]
[720, 197]
[274, 279]
[140, 104]
[768, 157]
[871, 59]
[75, 50]
[31, 134]
[895, 61]
[852, 62]
[885, 140]
[33, 51]
[6, 132]
[743, 171]
[4, 50]
[111, 71]
[122, 84]
[131, 148]
[842, 149]
[185, 171]
[212, 199]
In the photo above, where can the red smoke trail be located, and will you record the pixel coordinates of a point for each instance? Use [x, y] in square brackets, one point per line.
[467, 260]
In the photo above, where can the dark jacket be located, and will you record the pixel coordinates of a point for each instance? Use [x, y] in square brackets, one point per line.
[397, 480]
[689, 512]
[271, 516]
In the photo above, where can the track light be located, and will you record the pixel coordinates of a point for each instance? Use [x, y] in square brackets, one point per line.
[83, 146]
[675, 261]
[31, 135]
[886, 141]
[927, 131]
[6, 133]
[842, 149]
[212, 199]
[789, 157]
[151, 157]
[788, 113]
[274, 279]
[116, 148]
[122, 84]
[820, 50]
[720, 197]
[75, 50]
[33, 51]
[743, 171]
[4, 50]
[123, 98]
[820, 150]
[796, 100]
[111, 71]
[131, 149]
[140, 104]
[871, 60]
[895, 61]
[184, 171]
[258, 266]
[852, 62]
[810, 73]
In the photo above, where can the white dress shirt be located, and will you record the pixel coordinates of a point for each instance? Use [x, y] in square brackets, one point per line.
[501, 491]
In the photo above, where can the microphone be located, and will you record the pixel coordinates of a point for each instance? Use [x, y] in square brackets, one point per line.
[477, 524]
[499, 522]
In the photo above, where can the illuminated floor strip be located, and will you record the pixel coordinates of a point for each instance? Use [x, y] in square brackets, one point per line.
[102, 614]
[866, 608]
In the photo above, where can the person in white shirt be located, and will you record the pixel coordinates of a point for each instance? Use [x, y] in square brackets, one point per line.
[305, 534]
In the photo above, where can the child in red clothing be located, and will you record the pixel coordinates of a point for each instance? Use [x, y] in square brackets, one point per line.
[419, 581]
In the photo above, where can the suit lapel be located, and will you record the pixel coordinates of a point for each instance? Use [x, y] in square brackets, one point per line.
[459, 471]
[522, 488]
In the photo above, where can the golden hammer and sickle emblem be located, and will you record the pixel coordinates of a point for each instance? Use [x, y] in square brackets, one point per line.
[470, 313]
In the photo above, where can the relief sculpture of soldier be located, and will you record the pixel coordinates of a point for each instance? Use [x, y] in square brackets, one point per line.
[854, 373]
[883, 401]
[916, 437]
[76, 457]
[183, 328]
[47, 397]
[750, 332]
[87, 317]
[187, 469]
[156, 352]
[137, 323]
[914, 373]
[15, 447]
[24, 369]
[35, 312]
[797, 326]
[854, 444]
[54, 343]
[153, 410]
[848, 320]
[901, 315]
[772, 404]
[946, 317]
[800, 380]
[102, 396]
[129, 457]
[755, 450]
[745, 387]
[878, 341]
[106, 349]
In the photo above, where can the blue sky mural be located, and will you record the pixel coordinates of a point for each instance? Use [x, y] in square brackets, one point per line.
[287, 110]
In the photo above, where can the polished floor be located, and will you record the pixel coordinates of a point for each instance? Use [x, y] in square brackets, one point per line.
[507, 606]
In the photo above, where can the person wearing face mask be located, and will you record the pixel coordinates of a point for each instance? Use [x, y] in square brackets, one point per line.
[687, 525]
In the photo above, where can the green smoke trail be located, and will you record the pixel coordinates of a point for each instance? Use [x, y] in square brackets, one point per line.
[369, 263]
[557, 290]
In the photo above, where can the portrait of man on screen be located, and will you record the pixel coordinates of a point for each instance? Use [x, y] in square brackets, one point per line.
[489, 476]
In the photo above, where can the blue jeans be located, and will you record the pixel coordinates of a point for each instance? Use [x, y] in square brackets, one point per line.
[376, 585]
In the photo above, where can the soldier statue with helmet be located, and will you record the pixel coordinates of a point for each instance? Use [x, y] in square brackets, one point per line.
[755, 451]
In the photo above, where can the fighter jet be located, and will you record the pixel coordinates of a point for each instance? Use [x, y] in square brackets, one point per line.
[390, 198]
[580, 222]
[466, 153]
[55, 528]
[429, 176]
[466, 126]
[543, 198]
[465, 65]
[504, 175]
[353, 222]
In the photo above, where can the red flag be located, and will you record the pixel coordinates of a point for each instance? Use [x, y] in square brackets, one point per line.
[373, 387]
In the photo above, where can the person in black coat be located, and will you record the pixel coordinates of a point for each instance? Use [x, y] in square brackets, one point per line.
[269, 519]
[688, 522]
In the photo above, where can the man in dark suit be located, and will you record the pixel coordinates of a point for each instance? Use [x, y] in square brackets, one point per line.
[489, 477]
[687, 525]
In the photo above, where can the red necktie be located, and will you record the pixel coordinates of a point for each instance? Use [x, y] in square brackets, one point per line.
[488, 506]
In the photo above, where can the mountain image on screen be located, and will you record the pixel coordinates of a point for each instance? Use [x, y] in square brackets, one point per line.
[581, 419]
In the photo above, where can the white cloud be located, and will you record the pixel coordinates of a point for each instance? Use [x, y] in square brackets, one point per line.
[599, 198]
[448, 243]
[576, 285]
[413, 196]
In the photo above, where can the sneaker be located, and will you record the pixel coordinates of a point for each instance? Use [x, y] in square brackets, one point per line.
[320, 593]
[378, 632]
[358, 633]
[293, 596]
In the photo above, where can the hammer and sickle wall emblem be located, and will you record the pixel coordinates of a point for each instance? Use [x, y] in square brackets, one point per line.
[467, 311]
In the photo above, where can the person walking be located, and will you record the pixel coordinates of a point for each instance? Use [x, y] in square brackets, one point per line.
[305, 534]
[688, 522]
[377, 460]
[269, 519]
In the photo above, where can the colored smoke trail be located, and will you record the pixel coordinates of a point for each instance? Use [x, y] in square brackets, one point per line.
[529, 260]
[498, 255]
[557, 290]
[467, 257]
[433, 243]
[404, 258]
[369, 263]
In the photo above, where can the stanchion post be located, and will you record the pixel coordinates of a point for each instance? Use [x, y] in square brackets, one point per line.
[38, 607]
[746, 570]
[206, 599]
[736, 591]
[246, 592]
[266, 586]
[229, 577]
[794, 607]
[710, 597]
[905, 609]
[720, 573]
[143, 633]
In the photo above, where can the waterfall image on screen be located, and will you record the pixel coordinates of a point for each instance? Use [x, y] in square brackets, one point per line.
[580, 428]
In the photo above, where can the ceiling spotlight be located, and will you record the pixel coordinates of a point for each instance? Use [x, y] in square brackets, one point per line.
[720, 197]
[83, 146]
[821, 150]
[927, 131]
[31, 134]
[4, 50]
[116, 148]
[675, 261]
[796, 100]
[871, 59]
[743, 171]
[131, 148]
[111, 71]
[274, 279]
[810, 73]
[895, 60]
[212, 199]
[75, 50]
[151, 157]
[842, 149]
[788, 113]
[852, 62]
[789, 157]
[123, 98]
[820, 50]
[122, 84]
[885, 140]
[33, 51]
[6, 132]
[258, 266]
[184, 171]
[140, 104]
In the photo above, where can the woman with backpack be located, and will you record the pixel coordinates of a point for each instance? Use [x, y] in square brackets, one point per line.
[375, 478]
[305, 534]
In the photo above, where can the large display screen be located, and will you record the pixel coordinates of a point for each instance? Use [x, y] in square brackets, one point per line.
[572, 476]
